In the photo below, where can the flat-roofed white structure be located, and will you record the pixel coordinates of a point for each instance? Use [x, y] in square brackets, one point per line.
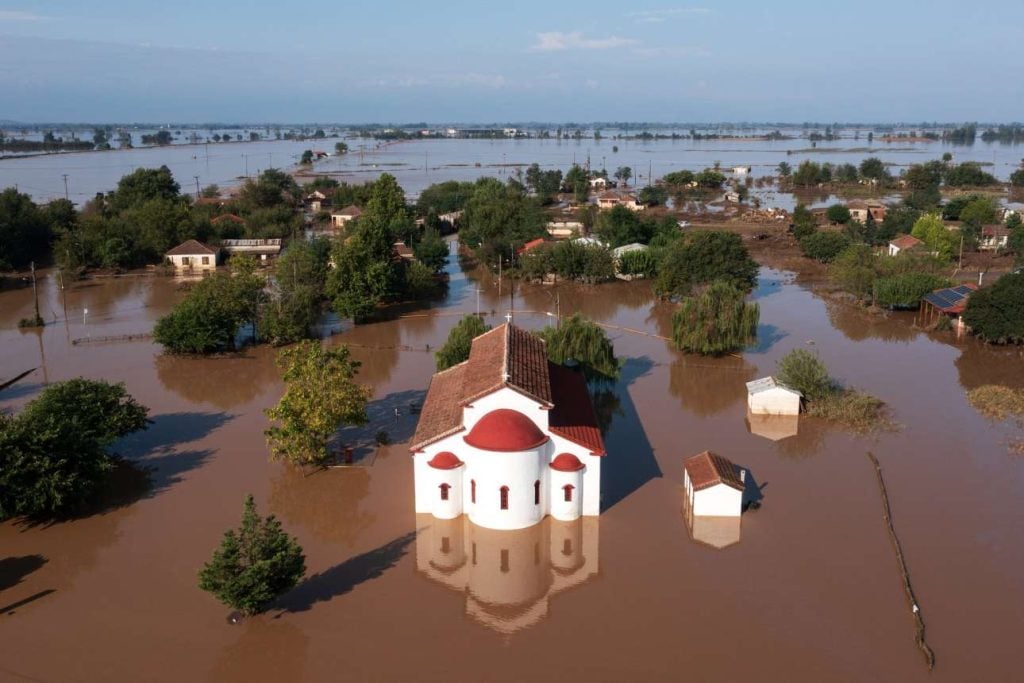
[767, 396]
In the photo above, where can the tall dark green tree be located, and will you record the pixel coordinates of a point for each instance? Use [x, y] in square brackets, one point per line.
[456, 348]
[996, 313]
[701, 257]
[253, 565]
[715, 321]
[581, 341]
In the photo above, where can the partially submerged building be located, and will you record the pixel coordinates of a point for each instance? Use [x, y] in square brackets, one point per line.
[714, 486]
[260, 249]
[613, 198]
[193, 255]
[994, 238]
[949, 302]
[768, 396]
[507, 437]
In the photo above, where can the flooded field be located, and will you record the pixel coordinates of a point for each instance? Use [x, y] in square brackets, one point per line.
[805, 588]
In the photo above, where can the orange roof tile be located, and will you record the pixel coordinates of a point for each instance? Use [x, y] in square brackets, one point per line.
[708, 469]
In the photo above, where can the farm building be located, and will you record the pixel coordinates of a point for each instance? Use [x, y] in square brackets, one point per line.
[192, 255]
[341, 217]
[611, 199]
[994, 237]
[714, 486]
[766, 396]
[904, 243]
[263, 249]
[950, 301]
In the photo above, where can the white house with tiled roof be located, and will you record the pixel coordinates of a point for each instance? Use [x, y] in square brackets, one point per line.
[193, 255]
[508, 437]
[714, 486]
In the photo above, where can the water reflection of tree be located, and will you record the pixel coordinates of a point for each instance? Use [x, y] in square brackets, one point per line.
[224, 382]
[266, 649]
[858, 325]
[376, 347]
[706, 386]
[982, 364]
[597, 302]
[325, 503]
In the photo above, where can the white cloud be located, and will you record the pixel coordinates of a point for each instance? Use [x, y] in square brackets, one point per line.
[657, 16]
[18, 15]
[675, 51]
[553, 41]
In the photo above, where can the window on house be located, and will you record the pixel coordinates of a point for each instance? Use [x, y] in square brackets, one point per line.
[472, 490]
[444, 491]
[504, 560]
[568, 492]
[536, 492]
[206, 260]
[504, 498]
[184, 260]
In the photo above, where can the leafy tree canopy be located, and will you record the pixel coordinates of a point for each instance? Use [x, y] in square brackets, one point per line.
[456, 348]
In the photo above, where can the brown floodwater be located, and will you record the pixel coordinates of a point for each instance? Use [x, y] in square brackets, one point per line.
[804, 588]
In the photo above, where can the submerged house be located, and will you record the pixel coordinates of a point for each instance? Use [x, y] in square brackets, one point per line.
[714, 486]
[767, 396]
[507, 437]
[613, 198]
[193, 255]
[263, 249]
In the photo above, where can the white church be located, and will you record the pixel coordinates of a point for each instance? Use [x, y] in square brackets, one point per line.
[508, 437]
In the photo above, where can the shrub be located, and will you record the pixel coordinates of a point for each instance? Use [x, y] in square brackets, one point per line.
[804, 371]
[996, 313]
[850, 408]
[838, 213]
[641, 263]
[907, 289]
[997, 402]
[254, 564]
[715, 322]
[824, 246]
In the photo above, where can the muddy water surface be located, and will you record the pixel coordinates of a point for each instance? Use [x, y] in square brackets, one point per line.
[805, 588]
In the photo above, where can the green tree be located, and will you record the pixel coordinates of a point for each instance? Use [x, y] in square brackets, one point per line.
[307, 157]
[807, 174]
[499, 218]
[804, 222]
[853, 270]
[932, 231]
[340, 148]
[838, 213]
[143, 185]
[25, 233]
[996, 313]
[545, 184]
[872, 168]
[905, 290]
[678, 179]
[978, 212]
[623, 174]
[254, 564]
[53, 455]
[432, 251]
[581, 340]
[320, 395]
[701, 257]
[824, 246]
[715, 321]
[456, 348]
[653, 195]
[784, 169]
[804, 371]
[298, 292]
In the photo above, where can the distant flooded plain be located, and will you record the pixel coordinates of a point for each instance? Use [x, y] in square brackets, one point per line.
[804, 588]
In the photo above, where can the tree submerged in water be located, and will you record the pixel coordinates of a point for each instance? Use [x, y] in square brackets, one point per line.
[715, 322]
[321, 395]
[456, 348]
[254, 564]
[584, 342]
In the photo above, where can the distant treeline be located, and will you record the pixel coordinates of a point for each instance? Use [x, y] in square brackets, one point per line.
[55, 145]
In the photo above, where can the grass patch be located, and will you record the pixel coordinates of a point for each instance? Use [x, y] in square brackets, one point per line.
[852, 409]
[996, 402]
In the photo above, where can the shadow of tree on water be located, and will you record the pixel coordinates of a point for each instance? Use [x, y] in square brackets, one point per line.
[397, 414]
[343, 578]
[631, 462]
[13, 571]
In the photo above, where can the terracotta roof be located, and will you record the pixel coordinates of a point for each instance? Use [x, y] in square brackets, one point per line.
[504, 356]
[350, 210]
[402, 250]
[856, 204]
[997, 230]
[906, 242]
[532, 244]
[505, 431]
[227, 217]
[573, 415]
[190, 247]
[708, 469]
[445, 460]
[566, 462]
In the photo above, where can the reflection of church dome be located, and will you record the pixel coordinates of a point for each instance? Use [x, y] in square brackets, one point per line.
[445, 461]
[566, 462]
[505, 430]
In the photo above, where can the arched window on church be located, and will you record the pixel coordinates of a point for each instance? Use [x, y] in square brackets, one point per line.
[568, 492]
[536, 492]
[504, 498]
[444, 491]
[472, 491]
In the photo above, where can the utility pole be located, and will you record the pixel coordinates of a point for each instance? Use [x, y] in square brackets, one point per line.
[478, 301]
[245, 158]
[35, 291]
[961, 251]
[65, 176]
[197, 186]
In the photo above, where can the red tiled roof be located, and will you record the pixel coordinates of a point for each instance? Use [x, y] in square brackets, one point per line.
[566, 462]
[532, 244]
[994, 230]
[445, 461]
[505, 431]
[508, 356]
[227, 217]
[708, 469]
[906, 242]
[190, 247]
[573, 416]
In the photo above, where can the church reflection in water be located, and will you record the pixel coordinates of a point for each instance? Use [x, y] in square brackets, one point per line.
[508, 577]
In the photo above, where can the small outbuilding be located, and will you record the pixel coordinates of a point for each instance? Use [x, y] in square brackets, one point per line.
[714, 486]
[904, 243]
[193, 255]
[767, 396]
[341, 217]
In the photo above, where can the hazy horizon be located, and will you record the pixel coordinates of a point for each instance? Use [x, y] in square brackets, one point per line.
[402, 62]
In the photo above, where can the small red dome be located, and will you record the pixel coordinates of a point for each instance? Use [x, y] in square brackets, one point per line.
[505, 430]
[566, 462]
[444, 461]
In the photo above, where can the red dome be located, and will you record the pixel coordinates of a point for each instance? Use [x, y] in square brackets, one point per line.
[445, 461]
[566, 462]
[505, 430]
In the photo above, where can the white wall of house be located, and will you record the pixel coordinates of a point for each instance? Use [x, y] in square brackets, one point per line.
[776, 401]
[718, 501]
[451, 507]
[194, 261]
[562, 509]
[893, 249]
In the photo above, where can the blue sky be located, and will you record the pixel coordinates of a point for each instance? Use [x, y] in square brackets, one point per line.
[336, 61]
